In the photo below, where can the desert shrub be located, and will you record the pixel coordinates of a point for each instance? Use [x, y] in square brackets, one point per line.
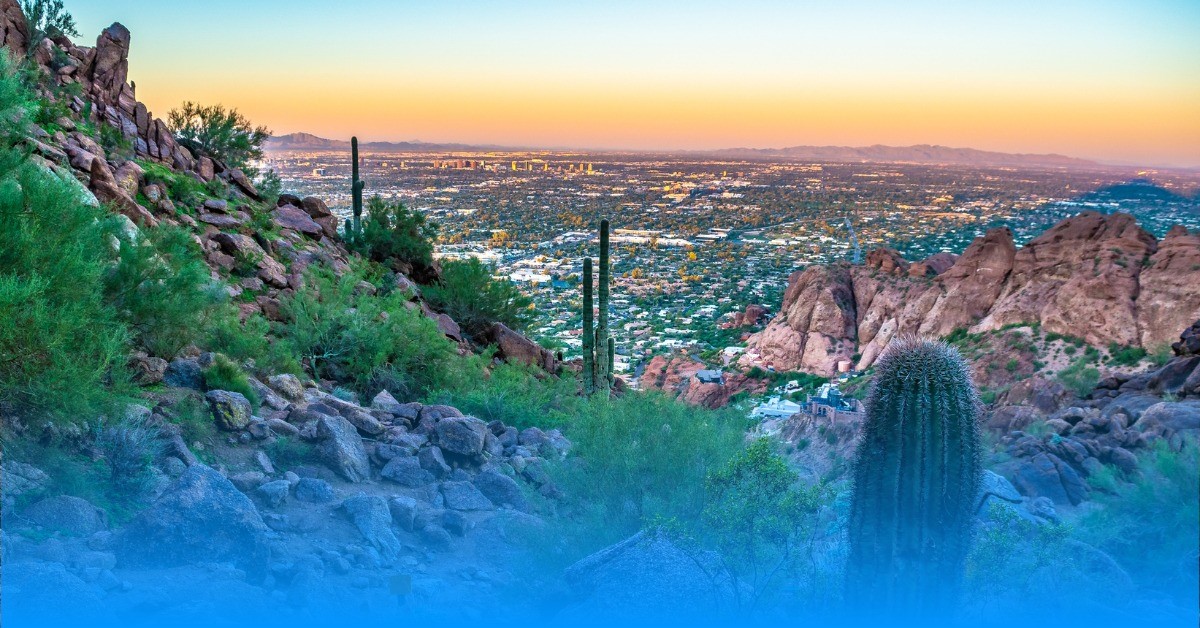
[1080, 377]
[514, 395]
[47, 19]
[1151, 525]
[1161, 354]
[115, 142]
[250, 340]
[393, 233]
[182, 188]
[162, 289]
[760, 520]
[220, 133]
[474, 299]
[1125, 355]
[129, 448]
[60, 346]
[639, 458]
[344, 334]
[225, 374]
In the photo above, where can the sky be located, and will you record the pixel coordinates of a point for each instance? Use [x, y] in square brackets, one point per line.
[1118, 82]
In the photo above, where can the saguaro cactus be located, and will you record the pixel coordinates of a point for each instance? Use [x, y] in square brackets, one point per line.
[603, 364]
[356, 189]
[598, 345]
[589, 331]
[916, 475]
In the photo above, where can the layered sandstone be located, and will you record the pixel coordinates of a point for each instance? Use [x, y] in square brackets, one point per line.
[1098, 277]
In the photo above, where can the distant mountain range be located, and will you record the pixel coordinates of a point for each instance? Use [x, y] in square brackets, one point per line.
[921, 153]
[308, 141]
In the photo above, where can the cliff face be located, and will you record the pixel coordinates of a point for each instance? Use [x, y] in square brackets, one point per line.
[1098, 277]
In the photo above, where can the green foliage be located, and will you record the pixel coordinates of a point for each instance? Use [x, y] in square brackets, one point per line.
[60, 346]
[916, 475]
[220, 133]
[642, 457]
[115, 143]
[514, 394]
[130, 449]
[1009, 556]
[47, 19]
[1160, 355]
[474, 299]
[162, 289]
[757, 517]
[1125, 355]
[393, 233]
[369, 341]
[1080, 377]
[1151, 525]
[182, 188]
[225, 374]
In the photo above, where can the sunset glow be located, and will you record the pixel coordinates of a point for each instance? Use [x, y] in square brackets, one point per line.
[1115, 82]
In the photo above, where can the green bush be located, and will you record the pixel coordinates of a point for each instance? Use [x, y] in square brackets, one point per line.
[162, 289]
[393, 233]
[130, 449]
[1151, 525]
[1125, 355]
[47, 19]
[225, 374]
[220, 133]
[185, 190]
[474, 299]
[759, 519]
[520, 396]
[61, 347]
[639, 458]
[1080, 377]
[370, 342]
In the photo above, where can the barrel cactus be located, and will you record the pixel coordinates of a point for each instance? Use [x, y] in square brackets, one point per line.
[916, 477]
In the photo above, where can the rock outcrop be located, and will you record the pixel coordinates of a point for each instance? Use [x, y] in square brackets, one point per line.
[677, 375]
[1098, 277]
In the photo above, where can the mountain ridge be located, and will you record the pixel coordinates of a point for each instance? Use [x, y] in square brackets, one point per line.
[930, 154]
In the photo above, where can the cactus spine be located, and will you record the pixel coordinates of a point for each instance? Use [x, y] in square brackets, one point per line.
[603, 364]
[356, 190]
[916, 476]
[589, 351]
[598, 345]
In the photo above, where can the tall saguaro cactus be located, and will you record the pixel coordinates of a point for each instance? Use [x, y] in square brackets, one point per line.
[356, 188]
[916, 476]
[589, 338]
[603, 365]
[598, 345]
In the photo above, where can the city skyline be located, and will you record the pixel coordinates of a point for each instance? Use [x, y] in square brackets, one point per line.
[1111, 82]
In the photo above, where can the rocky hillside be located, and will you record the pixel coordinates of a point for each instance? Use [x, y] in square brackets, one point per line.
[1100, 278]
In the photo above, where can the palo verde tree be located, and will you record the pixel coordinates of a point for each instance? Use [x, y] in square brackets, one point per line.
[47, 19]
[916, 477]
[220, 133]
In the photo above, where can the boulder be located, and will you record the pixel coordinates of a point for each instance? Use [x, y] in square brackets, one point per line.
[288, 217]
[501, 489]
[147, 370]
[287, 385]
[431, 460]
[184, 373]
[463, 436]
[512, 346]
[406, 471]
[464, 496]
[404, 512]
[648, 577]
[230, 410]
[342, 448]
[1169, 418]
[373, 518]
[1046, 475]
[67, 514]
[314, 491]
[200, 517]
[274, 494]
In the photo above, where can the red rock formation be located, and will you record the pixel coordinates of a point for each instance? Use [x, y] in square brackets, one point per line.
[676, 375]
[1170, 292]
[1097, 277]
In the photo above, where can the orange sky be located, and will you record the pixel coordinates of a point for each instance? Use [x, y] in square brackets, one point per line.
[1117, 82]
